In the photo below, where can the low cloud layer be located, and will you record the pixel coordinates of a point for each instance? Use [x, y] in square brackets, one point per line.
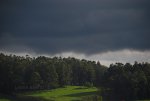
[106, 58]
[81, 26]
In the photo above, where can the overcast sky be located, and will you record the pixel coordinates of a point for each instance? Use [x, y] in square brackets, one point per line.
[105, 30]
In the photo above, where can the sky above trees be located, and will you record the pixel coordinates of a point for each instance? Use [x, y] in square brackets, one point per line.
[88, 29]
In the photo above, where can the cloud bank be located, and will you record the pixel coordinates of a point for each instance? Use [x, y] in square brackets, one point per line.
[106, 58]
[86, 27]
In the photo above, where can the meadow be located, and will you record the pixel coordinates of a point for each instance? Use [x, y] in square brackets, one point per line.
[68, 93]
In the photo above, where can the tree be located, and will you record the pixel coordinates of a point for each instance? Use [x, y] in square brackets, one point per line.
[35, 80]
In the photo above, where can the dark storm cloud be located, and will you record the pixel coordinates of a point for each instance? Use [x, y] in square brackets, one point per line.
[87, 26]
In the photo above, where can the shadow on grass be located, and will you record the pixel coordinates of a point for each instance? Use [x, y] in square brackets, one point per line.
[81, 88]
[23, 98]
[87, 96]
[34, 92]
[82, 94]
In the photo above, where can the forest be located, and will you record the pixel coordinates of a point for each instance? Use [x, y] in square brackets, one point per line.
[116, 82]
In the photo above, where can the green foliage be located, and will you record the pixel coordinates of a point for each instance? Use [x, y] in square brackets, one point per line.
[25, 73]
[128, 82]
[88, 84]
[119, 81]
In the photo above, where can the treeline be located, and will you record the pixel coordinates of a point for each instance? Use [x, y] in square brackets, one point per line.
[25, 73]
[127, 82]
[117, 82]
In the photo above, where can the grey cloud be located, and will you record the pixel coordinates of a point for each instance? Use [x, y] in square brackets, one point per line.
[86, 26]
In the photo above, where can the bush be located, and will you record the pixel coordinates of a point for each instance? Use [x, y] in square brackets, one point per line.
[88, 84]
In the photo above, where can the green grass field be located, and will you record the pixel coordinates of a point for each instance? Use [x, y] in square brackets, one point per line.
[69, 93]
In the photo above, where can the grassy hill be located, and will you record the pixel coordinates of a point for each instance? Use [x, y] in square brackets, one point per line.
[69, 93]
